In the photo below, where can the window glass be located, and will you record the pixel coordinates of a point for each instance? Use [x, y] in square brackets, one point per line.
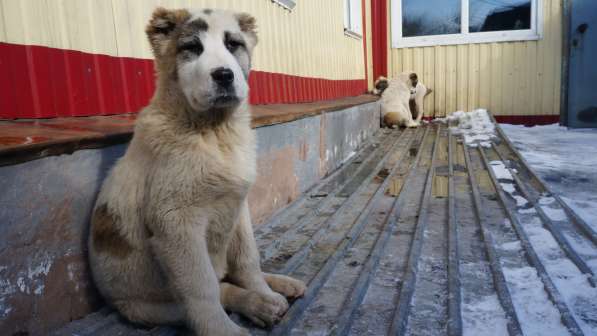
[430, 17]
[353, 16]
[496, 15]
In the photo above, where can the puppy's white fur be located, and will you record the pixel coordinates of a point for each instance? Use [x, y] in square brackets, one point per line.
[395, 101]
[171, 240]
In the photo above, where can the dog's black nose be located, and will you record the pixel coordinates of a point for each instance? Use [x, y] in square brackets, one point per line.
[223, 76]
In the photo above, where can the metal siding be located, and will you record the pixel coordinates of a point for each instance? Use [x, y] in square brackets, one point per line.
[509, 78]
[308, 41]
[369, 45]
[90, 57]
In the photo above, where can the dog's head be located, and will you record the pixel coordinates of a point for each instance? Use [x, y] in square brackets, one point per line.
[205, 53]
[381, 84]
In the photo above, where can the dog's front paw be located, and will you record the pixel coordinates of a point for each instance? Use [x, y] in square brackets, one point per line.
[264, 309]
[217, 327]
[287, 286]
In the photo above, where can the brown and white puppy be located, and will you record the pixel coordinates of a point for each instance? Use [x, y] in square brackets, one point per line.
[171, 240]
[402, 99]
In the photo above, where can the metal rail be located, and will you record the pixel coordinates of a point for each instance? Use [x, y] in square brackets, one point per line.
[299, 306]
[576, 219]
[454, 295]
[496, 267]
[277, 218]
[355, 298]
[549, 224]
[407, 289]
[555, 296]
[297, 258]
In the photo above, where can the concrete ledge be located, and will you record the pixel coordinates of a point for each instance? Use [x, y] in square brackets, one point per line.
[25, 140]
[45, 204]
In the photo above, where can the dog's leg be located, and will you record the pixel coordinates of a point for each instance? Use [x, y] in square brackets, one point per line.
[262, 309]
[181, 251]
[152, 313]
[243, 260]
[419, 102]
[287, 286]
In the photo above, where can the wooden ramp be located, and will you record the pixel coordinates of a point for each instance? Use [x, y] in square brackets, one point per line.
[420, 234]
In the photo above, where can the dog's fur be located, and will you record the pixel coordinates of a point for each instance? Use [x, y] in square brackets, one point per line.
[401, 99]
[171, 240]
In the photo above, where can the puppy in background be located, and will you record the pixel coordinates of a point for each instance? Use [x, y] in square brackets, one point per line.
[171, 240]
[401, 99]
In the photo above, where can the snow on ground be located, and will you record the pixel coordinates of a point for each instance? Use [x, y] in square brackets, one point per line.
[566, 160]
[507, 182]
[571, 283]
[535, 315]
[475, 126]
[484, 317]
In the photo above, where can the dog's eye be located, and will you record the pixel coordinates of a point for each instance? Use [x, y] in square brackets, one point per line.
[194, 47]
[233, 45]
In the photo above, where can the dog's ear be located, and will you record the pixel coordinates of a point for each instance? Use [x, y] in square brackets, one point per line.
[414, 79]
[248, 25]
[162, 25]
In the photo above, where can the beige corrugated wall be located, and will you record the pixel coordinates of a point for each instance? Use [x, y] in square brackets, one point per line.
[369, 34]
[508, 78]
[309, 41]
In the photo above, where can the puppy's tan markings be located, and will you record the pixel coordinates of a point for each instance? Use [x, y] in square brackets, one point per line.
[106, 237]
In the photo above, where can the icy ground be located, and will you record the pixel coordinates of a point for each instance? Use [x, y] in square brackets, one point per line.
[565, 159]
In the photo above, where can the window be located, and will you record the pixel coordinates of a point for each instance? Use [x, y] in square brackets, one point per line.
[417, 23]
[353, 18]
[288, 4]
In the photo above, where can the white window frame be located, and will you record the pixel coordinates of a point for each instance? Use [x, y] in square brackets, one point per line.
[466, 37]
[287, 4]
[353, 18]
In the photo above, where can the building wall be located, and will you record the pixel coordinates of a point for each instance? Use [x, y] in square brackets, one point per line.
[509, 78]
[303, 54]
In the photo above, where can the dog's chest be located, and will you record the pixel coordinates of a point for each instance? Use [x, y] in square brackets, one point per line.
[225, 169]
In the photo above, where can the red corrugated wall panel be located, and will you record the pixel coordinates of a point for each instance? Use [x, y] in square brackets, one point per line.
[42, 82]
[379, 32]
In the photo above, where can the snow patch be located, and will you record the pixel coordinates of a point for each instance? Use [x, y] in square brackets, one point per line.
[508, 187]
[476, 127]
[484, 317]
[503, 174]
[571, 283]
[536, 312]
[566, 159]
[520, 201]
[527, 211]
[500, 171]
[554, 214]
[511, 246]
